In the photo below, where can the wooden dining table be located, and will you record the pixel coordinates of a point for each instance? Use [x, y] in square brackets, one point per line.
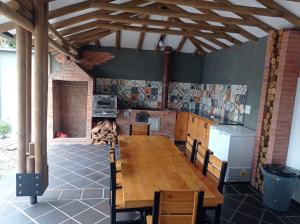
[150, 163]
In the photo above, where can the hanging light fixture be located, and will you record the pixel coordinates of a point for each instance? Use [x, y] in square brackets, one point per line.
[161, 42]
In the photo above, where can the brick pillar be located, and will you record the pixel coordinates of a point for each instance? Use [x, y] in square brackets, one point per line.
[282, 112]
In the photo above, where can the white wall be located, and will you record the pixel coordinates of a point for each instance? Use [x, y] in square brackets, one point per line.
[293, 157]
[8, 87]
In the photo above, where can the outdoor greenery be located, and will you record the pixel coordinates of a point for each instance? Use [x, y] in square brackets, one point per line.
[5, 129]
[7, 43]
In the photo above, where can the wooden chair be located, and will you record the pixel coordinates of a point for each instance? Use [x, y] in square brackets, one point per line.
[116, 199]
[190, 148]
[118, 162]
[139, 128]
[177, 207]
[216, 171]
[202, 158]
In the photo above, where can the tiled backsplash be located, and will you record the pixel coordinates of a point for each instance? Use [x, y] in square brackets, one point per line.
[217, 99]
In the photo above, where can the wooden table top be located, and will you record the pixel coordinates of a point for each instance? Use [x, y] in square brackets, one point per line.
[154, 162]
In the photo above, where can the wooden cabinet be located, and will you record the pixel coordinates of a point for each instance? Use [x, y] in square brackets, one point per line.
[181, 126]
[203, 133]
[193, 125]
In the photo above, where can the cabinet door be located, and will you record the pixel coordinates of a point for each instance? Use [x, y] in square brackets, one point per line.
[193, 126]
[201, 131]
[181, 126]
[206, 135]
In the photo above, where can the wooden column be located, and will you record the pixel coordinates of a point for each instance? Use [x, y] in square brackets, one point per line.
[166, 76]
[21, 77]
[28, 45]
[40, 74]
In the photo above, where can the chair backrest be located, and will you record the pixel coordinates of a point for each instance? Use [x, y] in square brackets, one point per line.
[216, 171]
[202, 158]
[178, 207]
[139, 129]
[190, 148]
[113, 186]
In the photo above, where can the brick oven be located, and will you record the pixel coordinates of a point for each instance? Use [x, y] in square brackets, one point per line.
[70, 105]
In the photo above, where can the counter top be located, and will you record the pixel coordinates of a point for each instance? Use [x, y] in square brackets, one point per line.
[215, 119]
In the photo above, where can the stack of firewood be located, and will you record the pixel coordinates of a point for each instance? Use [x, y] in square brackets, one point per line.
[104, 132]
[274, 52]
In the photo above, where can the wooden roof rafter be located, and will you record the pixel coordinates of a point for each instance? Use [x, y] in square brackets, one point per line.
[14, 15]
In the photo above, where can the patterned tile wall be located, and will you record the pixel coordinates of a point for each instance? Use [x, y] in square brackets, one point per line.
[217, 99]
[132, 93]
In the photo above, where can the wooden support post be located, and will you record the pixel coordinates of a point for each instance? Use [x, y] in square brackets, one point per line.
[28, 45]
[40, 66]
[45, 92]
[31, 168]
[166, 77]
[21, 76]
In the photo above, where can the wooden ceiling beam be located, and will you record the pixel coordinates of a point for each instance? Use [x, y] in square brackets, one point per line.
[223, 7]
[57, 35]
[141, 37]
[80, 28]
[15, 17]
[4, 27]
[285, 13]
[181, 43]
[61, 49]
[27, 4]
[94, 37]
[202, 44]
[91, 15]
[148, 10]
[260, 24]
[154, 30]
[84, 34]
[70, 9]
[155, 22]
[97, 43]
[141, 40]
[16, 6]
[233, 40]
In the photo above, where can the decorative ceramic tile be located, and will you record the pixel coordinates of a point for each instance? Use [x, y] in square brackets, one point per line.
[216, 99]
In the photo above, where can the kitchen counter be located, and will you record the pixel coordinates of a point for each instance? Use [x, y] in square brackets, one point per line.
[214, 119]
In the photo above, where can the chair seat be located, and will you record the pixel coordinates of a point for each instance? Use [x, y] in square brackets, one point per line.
[119, 179]
[118, 165]
[149, 219]
[119, 198]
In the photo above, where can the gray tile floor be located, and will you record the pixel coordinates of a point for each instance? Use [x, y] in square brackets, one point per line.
[78, 189]
[79, 193]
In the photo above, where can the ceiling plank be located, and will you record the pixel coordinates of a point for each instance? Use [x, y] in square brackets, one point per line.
[285, 13]
[148, 10]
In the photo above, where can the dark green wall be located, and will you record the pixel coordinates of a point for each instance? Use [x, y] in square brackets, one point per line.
[146, 65]
[239, 65]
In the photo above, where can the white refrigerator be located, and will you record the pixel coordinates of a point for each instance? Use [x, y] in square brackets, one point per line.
[234, 144]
